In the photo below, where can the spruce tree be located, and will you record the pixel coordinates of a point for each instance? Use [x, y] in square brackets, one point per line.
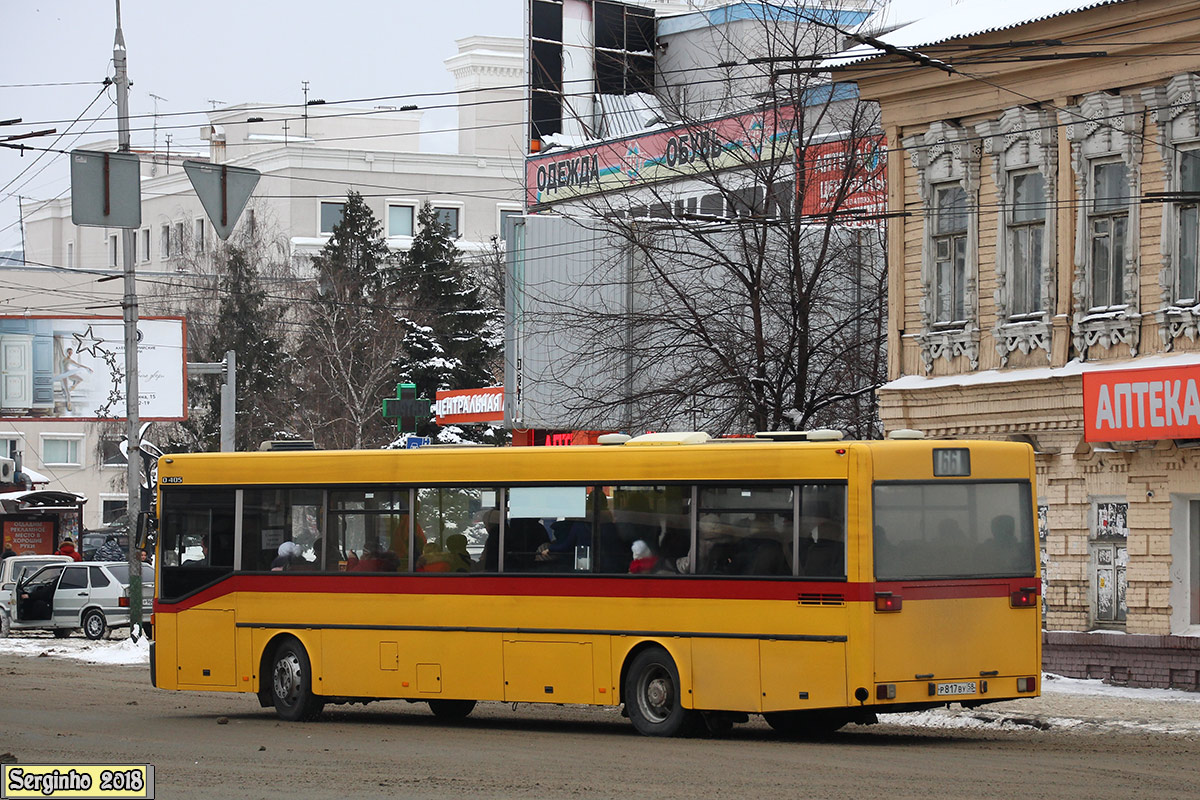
[351, 346]
[452, 338]
[247, 323]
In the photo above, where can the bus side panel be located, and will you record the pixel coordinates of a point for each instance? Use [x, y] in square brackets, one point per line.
[799, 675]
[454, 665]
[543, 669]
[166, 668]
[725, 674]
[960, 638]
[204, 645]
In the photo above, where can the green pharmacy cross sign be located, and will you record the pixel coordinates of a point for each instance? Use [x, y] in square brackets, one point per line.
[406, 408]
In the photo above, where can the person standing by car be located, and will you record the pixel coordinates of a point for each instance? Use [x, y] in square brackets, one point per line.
[109, 551]
[67, 548]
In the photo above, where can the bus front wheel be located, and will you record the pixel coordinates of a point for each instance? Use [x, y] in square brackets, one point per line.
[652, 695]
[291, 684]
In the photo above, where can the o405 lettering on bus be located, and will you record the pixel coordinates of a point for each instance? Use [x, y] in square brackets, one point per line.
[172, 479]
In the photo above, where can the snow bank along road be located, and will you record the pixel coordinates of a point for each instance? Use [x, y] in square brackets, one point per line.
[73, 701]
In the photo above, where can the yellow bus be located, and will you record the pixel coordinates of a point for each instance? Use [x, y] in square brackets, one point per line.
[692, 582]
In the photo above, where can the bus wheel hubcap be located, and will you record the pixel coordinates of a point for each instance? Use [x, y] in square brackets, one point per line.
[657, 696]
[287, 678]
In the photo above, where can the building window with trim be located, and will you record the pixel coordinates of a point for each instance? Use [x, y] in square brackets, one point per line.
[164, 242]
[1107, 159]
[1108, 220]
[177, 237]
[70, 254]
[400, 219]
[331, 216]
[145, 244]
[1026, 240]
[110, 452]
[198, 235]
[508, 213]
[113, 250]
[61, 451]
[112, 510]
[950, 256]
[947, 160]
[10, 445]
[450, 217]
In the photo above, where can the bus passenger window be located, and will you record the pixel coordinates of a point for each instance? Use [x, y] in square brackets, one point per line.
[823, 531]
[271, 517]
[456, 527]
[369, 531]
[745, 530]
[657, 516]
[548, 529]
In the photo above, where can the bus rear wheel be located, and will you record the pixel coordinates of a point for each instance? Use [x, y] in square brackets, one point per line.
[451, 710]
[652, 696]
[291, 684]
[805, 724]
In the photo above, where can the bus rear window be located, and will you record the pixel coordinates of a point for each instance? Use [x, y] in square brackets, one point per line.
[947, 529]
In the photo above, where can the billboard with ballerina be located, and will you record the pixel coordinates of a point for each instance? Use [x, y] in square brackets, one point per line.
[74, 368]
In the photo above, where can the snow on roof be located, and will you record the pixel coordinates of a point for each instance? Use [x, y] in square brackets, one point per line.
[925, 22]
[1071, 369]
[33, 475]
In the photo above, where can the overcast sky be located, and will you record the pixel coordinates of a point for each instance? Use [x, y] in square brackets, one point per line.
[231, 51]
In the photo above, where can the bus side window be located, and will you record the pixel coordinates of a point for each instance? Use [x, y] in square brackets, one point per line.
[746, 530]
[823, 531]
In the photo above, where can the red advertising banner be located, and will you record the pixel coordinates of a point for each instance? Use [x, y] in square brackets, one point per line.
[27, 537]
[469, 405]
[1142, 404]
[846, 177]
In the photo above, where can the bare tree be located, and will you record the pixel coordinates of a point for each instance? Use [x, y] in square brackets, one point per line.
[757, 305]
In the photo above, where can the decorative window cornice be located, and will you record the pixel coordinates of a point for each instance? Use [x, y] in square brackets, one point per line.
[1105, 126]
[1022, 139]
[945, 154]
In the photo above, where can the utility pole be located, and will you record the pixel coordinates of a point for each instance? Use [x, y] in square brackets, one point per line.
[130, 315]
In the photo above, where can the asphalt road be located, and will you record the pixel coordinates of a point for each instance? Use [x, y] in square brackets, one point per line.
[216, 745]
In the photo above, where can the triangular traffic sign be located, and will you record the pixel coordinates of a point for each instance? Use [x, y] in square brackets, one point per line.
[223, 191]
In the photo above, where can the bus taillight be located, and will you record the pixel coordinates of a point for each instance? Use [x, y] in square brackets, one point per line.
[1026, 684]
[886, 601]
[1024, 597]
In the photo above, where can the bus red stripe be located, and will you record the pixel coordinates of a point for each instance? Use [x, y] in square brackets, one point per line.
[570, 586]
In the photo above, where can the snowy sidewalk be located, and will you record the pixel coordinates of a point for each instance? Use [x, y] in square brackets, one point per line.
[1072, 703]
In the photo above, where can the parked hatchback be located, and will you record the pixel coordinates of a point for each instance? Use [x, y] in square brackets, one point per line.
[93, 596]
[12, 570]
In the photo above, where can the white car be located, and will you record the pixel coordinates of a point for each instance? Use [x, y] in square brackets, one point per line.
[12, 569]
[92, 595]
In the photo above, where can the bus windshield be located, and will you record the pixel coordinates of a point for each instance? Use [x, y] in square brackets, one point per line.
[947, 529]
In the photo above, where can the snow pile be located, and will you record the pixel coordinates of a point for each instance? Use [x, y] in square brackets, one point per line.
[1057, 684]
[103, 651]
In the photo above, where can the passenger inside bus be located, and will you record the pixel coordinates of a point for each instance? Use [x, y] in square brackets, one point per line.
[823, 541]
[456, 553]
